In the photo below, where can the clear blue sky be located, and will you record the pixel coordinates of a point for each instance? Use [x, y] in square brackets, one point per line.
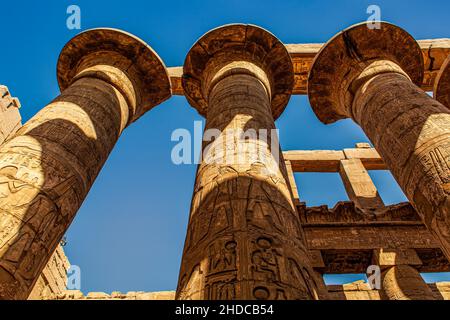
[129, 234]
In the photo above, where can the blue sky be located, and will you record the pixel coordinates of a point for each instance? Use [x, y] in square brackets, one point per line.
[129, 234]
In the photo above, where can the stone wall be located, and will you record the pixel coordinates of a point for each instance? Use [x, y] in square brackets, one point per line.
[10, 119]
[360, 290]
[53, 280]
[78, 295]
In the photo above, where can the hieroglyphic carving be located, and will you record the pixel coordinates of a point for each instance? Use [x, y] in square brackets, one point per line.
[409, 129]
[48, 167]
[243, 220]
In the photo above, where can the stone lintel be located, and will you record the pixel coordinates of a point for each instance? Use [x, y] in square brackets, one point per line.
[330, 160]
[434, 52]
[358, 184]
[386, 257]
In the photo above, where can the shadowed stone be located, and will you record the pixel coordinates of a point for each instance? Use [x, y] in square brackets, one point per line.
[244, 238]
[371, 76]
[108, 79]
[442, 84]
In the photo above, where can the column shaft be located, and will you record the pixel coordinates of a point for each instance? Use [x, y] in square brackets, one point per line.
[244, 239]
[46, 170]
[411, 131]
[403, 282]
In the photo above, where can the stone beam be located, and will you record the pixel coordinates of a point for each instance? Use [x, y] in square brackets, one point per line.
[314, 161]
[434, 52]
[358, 184]
[330, 160]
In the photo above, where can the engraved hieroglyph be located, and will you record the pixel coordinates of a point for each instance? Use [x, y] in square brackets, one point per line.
[244, 237]
[372, 76]
[108, 80]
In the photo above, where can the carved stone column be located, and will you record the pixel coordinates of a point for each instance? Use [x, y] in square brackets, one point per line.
[442, 84]
[400, 279]
[244, 240]
[403, 282]
[108, 79]
[371, 76]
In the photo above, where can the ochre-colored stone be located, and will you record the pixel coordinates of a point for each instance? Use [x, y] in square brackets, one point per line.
[434, 52]
[359, 185]
[371, 76]
[403, 282]
[108, 80]
[244, 240]
[442, 84]
[250, 236]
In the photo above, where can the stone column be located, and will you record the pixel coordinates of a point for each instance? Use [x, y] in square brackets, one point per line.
[442, 84]
[108, 79]
[244, 238]
[400, 279]
[403, 282]
[372, 76]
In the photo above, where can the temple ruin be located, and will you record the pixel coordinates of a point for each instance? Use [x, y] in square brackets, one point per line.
[250, 236]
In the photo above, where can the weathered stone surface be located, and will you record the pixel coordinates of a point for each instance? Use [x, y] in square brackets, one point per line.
[48, 167]
[442, 84]
[330, 160]
[53, 279]
[361, 291]
[250, 236]
[244, 240]
[10, 119]
[374, 83]
[392, 257]
[403, 282]
[434, 52]
[359, 185]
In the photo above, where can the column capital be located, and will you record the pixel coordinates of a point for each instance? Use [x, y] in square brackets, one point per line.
[346, 58]
[231, 44]
[442, 84]
[121, 59]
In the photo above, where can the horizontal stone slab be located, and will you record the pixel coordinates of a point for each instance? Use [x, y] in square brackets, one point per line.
[435, 51]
